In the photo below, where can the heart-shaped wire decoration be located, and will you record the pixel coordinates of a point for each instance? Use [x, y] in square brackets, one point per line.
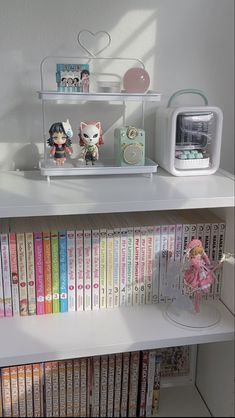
[82, 42]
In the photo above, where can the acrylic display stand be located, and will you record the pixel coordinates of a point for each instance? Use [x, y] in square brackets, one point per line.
[73, 166]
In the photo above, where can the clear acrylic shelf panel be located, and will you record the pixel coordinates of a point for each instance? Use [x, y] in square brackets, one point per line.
[149, 96]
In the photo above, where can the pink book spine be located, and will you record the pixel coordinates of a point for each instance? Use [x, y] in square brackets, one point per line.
[156, 262]
[136, 295]
[143, 382]
[14, 275]
[71, 271]
[125, 384]
[6, 274]
[123, 266]
[87, 269]
[2, 314]
[79, 270]
[133, 385]
[95, 269]
[143, 265]
[38, 249]
[149, 265]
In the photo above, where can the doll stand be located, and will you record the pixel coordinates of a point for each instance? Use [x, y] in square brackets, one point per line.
[181, 312]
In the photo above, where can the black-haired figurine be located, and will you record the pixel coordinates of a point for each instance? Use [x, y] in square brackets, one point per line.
[85, 81]
[60, 141]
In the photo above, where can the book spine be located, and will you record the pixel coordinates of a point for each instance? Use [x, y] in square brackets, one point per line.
[156, 386]
[110, 268]
[38, 249]
[214, 252]
[149, 266]
[48, 388]
[151, 373]
[95, 269]
[55, 389]
[14, 391]
[2, 311]
[87, 269]
[178, 254]
[96, 387]
[136, 257]
[46, 238]
[6, 274]
[63, 271]
[193, 232]
[219, 272]
[143, 243]
[117, 384]
[125, 384]
[83, 407]
[29, 389]
[69, 383]
[134, 382]
[21, 254]
[143, 382]
[170, 283]
[71, 271]
[129, 265]
[6, 392]
[37, 390]
[207, 238]
[116, 267]
[14, 276]
[185, 242]
[76, 387]
[111, 377]
[22, 391]
[62, 388]
[55, 273]
[79, 270]
[163, 263]
[103, 269]
[123, 266]
[1, 406]
[29, 244]
[89, 386]
[200, 231]
[103, 385]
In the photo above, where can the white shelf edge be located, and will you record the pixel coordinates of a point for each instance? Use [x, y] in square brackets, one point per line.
[85, 334]
[78, 96]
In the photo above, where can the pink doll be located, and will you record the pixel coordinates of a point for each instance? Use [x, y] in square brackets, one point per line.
[199, 276]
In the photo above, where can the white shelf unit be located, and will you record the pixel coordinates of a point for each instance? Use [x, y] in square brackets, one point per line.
[150, 96]
[25, 194]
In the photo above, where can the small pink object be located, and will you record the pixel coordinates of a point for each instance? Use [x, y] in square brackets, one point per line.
[136, 80]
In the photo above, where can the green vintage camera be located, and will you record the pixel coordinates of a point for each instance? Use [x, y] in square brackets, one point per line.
[129, 146]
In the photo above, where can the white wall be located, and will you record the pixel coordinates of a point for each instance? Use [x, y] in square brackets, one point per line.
[184, 44]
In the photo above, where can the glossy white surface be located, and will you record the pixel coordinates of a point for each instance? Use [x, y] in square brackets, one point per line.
[77, 96]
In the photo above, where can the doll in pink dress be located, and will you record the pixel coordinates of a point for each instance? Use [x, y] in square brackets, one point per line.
[199, 276]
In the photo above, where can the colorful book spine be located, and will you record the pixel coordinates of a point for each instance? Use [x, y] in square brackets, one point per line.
[6, 274]
[38, 251]
[83, 405]
[48, 388]
[14, 392]
[103, 269]
[55, 389]
[117, 384]
[63, 271]
[143, 382]
[103, 385]
[6, 392]
[71, 271]
[151, 373]
[55, 272]
[37, 390]
[163, 263]
[46, 238]
[87, 270]
[14, 276]
[129, 266]
[110, 291]
[62, 388]
[79, 270]
[111, 379]
[134, 382]
[22, 391]
[76, 387]
[156, 262]
[143, 232]
[156, 386]
[2, 310]
[123, 266]
[125, 384]
[29, 244]
[95, 410]
[149, 266]
[29, 389]
[95, 270]
[69, 387]
[21, 256]
[136, 273]
[116, 267]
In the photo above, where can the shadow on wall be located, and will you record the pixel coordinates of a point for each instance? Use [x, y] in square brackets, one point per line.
[26, 157]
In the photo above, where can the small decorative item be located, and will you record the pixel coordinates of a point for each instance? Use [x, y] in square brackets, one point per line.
[60, 141]
[69, 77]
[198, 272]
[85, 81]
[129, 146]
[90, 140]
[136, 80]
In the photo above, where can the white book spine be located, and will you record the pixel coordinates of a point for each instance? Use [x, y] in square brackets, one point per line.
[6, 274]
[219, 272]
[151, 373]
[109, 268]
[137, 243]
[214, 251]
[95, 269]
[200, 231]
[156, 262]
[79, 270]
[149, 265]
[143, 234]
[178, 253]
[116, 267]
[171, 275]
[71, 271]
[123, 266]
[163, 262]
[207, 238]
[103, 268]
[193, 232]
[87, 269]
[129, 278]
[185, 242]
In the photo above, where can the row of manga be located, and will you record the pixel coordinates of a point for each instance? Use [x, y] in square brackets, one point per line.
[116, 385]
[61, 264]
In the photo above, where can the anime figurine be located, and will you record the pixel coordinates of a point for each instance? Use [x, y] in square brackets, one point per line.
[84, 83]
[90, 139]
[199, 273]
[60, 141]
